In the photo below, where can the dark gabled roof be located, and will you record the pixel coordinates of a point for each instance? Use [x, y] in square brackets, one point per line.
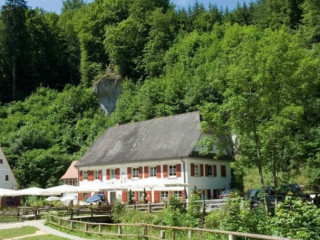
[160, 138]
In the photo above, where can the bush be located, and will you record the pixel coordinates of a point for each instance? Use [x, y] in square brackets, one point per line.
[296, 219]
[238, 217]
[213, 219]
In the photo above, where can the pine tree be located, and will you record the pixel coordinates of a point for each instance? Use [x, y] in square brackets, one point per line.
[14, 35]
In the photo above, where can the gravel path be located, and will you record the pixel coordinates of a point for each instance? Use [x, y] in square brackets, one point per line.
[40, 225]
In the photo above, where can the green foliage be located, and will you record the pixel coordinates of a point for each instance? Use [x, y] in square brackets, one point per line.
[296, 219]
[237, 216]
[117, 210]
[42, 135]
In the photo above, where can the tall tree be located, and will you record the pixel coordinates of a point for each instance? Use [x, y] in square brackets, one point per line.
[14, 36]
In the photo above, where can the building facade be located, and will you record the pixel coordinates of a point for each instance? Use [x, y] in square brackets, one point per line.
[154, 159]
[7, 181]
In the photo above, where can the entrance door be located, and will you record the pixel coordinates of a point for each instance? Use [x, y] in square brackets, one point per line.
[112, 197]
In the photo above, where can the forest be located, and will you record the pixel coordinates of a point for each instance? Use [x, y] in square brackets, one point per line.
[253, 71]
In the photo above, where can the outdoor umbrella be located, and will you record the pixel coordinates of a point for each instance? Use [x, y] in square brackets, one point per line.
[58, 190]
[7, 192]
[33, 191]
[94, 198]
[52, 198]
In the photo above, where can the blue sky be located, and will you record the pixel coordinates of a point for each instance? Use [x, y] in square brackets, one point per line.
[55, 5]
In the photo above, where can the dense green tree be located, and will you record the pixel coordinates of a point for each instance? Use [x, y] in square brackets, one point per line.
[14, 39]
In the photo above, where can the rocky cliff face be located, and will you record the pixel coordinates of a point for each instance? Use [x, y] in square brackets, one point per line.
[108, 89]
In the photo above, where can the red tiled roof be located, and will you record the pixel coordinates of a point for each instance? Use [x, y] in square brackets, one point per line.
[72, 172]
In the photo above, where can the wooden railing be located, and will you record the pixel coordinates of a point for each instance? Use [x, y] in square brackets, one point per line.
[149, 231]
[208, 205]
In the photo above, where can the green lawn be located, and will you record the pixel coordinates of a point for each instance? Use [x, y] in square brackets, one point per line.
[45, 237]
[17, 232]
[7, 219]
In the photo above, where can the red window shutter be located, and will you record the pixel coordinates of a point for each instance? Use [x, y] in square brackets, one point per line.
[108, 174]
[156, 198]
[207, 170]
[106, 195]
[146, 173]
[140, 172]
[79, 196]
[208, 194]
[118, 173]
[201, 170]
[100, 175]
[192, 169]
[223, 171]
[215, 193]
[214, 170]
[136, 197]
[148, 196]
[178, 170]
[90, 175]
[183, 197]
[80, 175]
[165, 171]
[124, 196]
[158, 171]
[129, 172]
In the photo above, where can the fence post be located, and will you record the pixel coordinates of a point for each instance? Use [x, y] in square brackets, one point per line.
[189, 234]
[71, 214]
[231, 237]
[145, 232]
[162, 234]
[173, 234]
[119, 230]
[59, 221]
[71, 225]
[86, 227]
[100, 228]
[149, 207]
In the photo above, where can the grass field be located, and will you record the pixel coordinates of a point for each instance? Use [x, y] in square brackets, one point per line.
[7, 219]
[17, 232]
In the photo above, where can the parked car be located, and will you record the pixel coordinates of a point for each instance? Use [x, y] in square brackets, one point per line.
[228, 193]
[295, 190]
[255, 196]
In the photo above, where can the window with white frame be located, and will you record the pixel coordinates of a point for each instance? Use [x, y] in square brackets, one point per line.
[210, 171]
[135, 172]
[113, 173]
[153, 171]
[177, 194]
[197, 170]
[141, 196]
[85, 174]
[172, 170]
[96, 174]
[164, 196]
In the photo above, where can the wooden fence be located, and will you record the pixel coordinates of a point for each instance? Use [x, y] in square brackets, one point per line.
[207, 205]
[149, 231]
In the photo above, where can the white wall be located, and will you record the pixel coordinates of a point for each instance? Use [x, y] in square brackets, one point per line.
[5, 170]
[185, 182]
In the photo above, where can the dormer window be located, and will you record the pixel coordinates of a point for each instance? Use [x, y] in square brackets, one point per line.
[1, 161]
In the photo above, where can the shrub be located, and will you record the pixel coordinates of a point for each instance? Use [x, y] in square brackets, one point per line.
[296, 219]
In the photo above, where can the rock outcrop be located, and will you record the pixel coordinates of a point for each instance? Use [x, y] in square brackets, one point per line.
[108, 88]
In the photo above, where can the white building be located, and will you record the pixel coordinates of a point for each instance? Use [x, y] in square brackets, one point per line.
[7, 179]
[159, 156]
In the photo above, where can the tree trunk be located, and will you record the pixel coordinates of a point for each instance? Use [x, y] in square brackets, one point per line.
[14, 78]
